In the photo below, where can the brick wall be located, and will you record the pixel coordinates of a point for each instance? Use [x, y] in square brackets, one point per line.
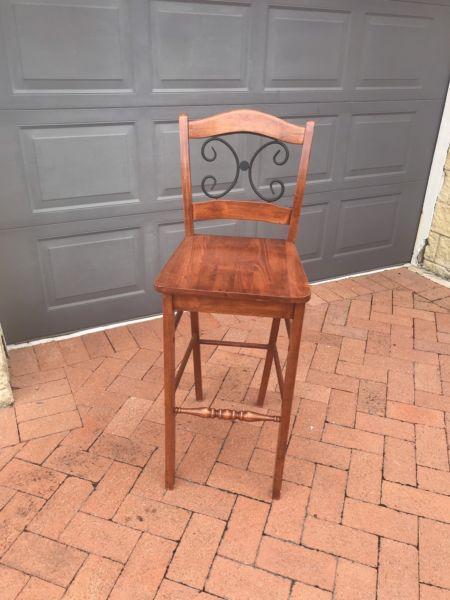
[437, 252]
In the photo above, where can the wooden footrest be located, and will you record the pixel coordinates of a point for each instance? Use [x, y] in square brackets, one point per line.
[226, 414]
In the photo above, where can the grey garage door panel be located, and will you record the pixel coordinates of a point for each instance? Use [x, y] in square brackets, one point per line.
[371, 227]
[133, 52]
[74, 53]
[65, 165]
[72, 164]
[354, 43]
[75, 273]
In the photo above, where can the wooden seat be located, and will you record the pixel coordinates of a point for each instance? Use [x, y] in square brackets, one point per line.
[232, 267]
[238, 275]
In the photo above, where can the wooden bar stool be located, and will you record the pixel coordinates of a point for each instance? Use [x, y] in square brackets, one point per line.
[236, 275]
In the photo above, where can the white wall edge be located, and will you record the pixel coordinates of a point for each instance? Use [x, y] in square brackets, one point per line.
[435, 181]
[67, 336]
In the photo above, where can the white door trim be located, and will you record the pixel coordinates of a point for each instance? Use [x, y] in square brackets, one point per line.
[435, 181]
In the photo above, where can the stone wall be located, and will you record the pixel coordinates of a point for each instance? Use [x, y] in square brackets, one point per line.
[6, 396]
[437, 252]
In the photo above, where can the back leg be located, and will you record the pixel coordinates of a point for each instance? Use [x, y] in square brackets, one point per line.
[286, 397]
[268, 362]
[195, 331]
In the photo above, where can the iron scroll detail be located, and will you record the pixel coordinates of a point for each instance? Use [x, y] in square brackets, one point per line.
[209, 182]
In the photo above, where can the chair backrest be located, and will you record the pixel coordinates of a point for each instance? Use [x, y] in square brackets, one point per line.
[244, 121]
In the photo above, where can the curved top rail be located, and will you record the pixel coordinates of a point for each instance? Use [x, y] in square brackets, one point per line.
[248, 121]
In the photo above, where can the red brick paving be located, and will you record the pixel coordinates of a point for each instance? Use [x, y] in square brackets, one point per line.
[365, 506]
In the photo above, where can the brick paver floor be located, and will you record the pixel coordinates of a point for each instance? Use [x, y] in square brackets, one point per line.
[365, 507]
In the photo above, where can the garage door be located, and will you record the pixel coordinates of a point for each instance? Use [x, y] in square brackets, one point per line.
[89, 168]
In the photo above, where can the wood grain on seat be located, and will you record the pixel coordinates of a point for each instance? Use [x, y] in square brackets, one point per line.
[233, 267]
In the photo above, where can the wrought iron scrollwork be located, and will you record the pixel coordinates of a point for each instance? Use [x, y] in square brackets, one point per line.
[209, 182]
[208, 145]
[277, 161]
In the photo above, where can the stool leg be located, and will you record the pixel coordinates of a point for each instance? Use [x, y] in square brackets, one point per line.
[268, 362]
[195, 331]
[287, 395]
[169, 390]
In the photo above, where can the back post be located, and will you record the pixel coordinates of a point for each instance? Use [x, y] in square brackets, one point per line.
[186, 184]
[301, 181]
